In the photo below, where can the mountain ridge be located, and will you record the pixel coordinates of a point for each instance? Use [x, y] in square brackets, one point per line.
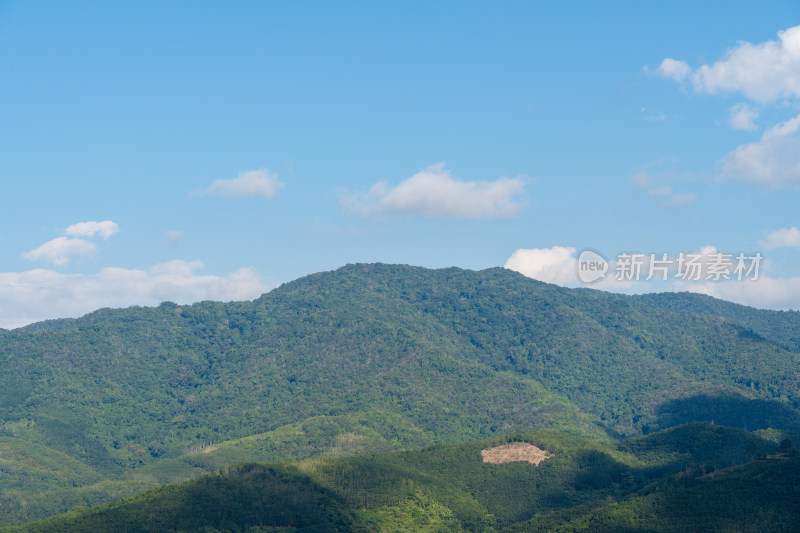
[410, 356]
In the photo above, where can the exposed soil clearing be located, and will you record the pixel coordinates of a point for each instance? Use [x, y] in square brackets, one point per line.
[517, 451]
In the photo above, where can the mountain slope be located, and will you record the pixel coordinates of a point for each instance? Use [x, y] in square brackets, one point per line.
[759, 496]
[779, 327]
[403, 355]
[451, 488]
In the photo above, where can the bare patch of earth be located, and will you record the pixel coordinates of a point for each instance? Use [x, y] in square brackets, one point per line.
[517, 451]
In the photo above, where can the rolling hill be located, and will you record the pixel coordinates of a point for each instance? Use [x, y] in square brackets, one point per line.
[688, 478]
[364, 359]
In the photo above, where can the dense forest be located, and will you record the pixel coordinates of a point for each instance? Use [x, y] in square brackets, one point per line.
[373, 359]
[694, 477]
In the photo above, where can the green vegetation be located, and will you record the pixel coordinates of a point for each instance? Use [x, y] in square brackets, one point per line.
[371, 359]
[689, 478]
[760, 496]
[247, 498]
[779, 327]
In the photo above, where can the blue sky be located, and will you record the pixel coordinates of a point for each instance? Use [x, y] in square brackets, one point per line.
[224, 148]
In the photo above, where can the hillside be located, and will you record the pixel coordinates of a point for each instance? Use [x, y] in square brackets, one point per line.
[779, 327]
[367, 358]
[693, 477]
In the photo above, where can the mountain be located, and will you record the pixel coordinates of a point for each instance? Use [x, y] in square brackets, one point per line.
[779, 327]
[367, 358]
[689, 478]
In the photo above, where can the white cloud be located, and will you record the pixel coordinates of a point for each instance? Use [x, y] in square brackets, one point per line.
[658, 117]
[765, 292]
[641, 180]
[105, 229]
[743, 117]
[673, 69]
[552, 265]
[782, 238]
[762, 72]
[61, 250]
[173, 237]
[660, 191]
[434, 192]
[35, 295]
[671, 199]
[559, 265]
[255, 183]
[679, 200]
[772, 162]
[653, 117]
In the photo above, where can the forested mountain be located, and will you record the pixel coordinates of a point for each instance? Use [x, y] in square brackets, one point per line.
[779, 327]
[369, 358]
[694, 477]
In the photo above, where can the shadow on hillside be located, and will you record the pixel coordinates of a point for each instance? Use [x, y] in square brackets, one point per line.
[728, 410]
